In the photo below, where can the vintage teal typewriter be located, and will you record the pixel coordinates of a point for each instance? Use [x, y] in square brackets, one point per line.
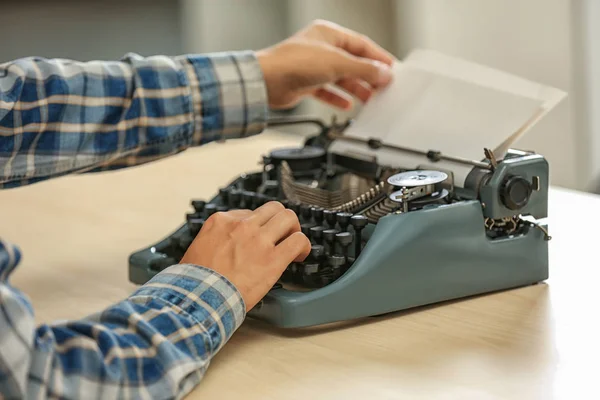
[385, 236]
[419, 199]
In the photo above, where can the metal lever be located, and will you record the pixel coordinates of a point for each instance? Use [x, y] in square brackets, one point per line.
[280, 121]
[431, 155]
[491, 157]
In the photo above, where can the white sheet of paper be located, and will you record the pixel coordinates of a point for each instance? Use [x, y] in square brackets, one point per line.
[439, 63]
[457, 68]
[444, 104]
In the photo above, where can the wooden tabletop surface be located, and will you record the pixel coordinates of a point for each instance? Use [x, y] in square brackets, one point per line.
[539, 342]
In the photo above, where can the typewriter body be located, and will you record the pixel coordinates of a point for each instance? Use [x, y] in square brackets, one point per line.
[386, 236]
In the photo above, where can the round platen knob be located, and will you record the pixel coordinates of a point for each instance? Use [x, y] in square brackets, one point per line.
[515, 192]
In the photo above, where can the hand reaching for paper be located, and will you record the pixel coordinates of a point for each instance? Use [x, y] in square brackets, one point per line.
[319, 61]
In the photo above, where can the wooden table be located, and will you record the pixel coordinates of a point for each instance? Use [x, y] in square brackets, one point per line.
[540, 342]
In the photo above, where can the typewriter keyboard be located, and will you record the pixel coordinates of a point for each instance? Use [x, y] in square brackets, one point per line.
[336, 237]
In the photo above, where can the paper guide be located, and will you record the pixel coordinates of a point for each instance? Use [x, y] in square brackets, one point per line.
[456, 107]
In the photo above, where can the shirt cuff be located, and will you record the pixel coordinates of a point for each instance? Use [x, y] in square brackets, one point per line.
[205, 295]
[229, 95]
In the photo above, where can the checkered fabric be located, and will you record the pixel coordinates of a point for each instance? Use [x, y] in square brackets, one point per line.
[59, 117]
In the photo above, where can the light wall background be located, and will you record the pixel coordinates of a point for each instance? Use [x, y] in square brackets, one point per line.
[549, 41]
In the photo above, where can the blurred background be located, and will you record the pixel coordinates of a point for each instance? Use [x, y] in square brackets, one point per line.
[549, 41]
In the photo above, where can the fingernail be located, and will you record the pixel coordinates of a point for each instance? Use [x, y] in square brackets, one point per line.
[385, 73]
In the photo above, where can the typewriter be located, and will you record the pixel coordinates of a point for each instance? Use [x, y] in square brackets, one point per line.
[384, 237]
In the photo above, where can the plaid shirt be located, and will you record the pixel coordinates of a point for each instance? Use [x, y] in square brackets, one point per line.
[59, 117]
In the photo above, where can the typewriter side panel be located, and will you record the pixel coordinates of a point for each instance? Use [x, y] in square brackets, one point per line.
[512, 180]
[416, 259]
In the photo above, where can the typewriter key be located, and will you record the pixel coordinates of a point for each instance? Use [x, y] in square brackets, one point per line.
[224, 193]
[235, 197]
[316, 252]
[305, 228]
[194, 223]
[344, 220]
[358, 223]
[306, 213]
[316, 234]
[209, 210]
[317, 215]
[176, 247]
[344, 239]
[336, 262]
[310, 268]
[329, 235]
[248, 198]
[260, 199]
[330, 218]
[198, 205]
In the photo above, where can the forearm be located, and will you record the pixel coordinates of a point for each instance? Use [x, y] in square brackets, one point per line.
[157, 343]
[59, 117]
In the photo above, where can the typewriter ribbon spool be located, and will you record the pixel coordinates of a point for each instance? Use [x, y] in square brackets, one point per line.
[417, 187]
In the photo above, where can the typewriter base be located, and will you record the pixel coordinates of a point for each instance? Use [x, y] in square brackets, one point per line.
[416, 259]
[413, 259]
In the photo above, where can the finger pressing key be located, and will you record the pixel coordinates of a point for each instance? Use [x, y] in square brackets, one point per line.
[293, 249]
[282, 225]
[264, 213]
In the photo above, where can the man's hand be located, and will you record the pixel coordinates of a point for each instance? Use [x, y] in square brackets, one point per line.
[323, 55]
[250, 248]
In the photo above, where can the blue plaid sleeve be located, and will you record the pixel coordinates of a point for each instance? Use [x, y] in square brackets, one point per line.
[59, 117]
[157, 343]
